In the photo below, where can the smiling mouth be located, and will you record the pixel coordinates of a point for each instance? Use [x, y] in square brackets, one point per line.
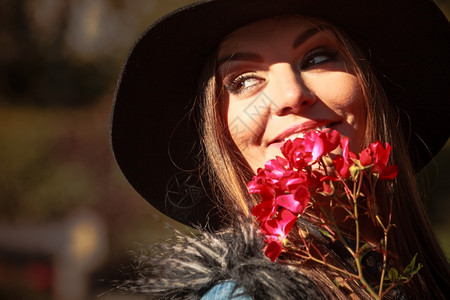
[301, 133]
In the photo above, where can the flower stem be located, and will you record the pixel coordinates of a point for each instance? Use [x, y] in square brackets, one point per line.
[355, 195]
[385, 247]
[308, 256]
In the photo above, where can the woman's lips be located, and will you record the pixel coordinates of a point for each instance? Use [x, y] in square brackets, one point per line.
[298, 130]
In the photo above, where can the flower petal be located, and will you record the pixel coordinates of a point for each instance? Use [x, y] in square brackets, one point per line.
[273, 250]
[264, 210]
[365, 157]
[390, 172]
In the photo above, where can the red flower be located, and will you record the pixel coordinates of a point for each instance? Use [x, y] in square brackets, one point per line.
[273, 249]
[314, 144]
[390, 172]
[280, 225]
[258, 182]
[285, 184]
[277, 167]
[322, 183]
[267, 208]
[365, 157]
[342, 168]
[296, 153]
[378, 155]
[276, 230]
[295, 202]
[305, 151]
[328, 141]
[293, 180]
[347, 155]
[342, 163]
[327, 189]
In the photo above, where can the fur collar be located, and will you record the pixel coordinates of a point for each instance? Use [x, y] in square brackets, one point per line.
[187, 266]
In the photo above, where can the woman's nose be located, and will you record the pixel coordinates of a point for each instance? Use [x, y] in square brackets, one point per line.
[290, 95]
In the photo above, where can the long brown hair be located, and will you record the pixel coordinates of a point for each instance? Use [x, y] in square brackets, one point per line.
[229, 172]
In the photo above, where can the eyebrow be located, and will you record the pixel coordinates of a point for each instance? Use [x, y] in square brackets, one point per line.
[304, 36]
[249, 56]
[239, 56]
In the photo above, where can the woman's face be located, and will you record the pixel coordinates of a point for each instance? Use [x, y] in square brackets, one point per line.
[282, 77]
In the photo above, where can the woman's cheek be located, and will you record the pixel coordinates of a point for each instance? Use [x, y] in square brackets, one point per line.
[247, 119]
[241, 126]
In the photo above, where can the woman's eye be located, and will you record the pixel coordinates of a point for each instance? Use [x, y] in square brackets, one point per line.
[317, 57]
[242, 83]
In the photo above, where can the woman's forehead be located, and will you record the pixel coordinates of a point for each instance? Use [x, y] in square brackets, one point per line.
[265, 30]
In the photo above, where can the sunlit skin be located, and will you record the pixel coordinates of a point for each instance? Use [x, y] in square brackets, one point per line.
[282, 77]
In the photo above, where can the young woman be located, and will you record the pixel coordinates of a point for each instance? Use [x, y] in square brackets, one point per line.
[247, 76]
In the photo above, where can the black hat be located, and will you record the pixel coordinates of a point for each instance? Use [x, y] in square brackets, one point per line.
[154, 141]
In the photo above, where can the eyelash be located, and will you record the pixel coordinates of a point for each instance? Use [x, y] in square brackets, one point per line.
[232, 85]
[329, 54]
[306, 64]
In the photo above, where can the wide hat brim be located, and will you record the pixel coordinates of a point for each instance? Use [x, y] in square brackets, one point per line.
[156, 144]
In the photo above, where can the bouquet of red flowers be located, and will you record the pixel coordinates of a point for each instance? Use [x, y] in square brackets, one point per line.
[310, 175]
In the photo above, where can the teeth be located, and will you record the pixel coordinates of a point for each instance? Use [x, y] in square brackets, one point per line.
[302, 134]
[294, 136]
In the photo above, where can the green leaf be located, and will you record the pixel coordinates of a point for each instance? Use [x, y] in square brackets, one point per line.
[364, 249]
[336, 282]
[419, 266]
[325, 233]
[410, 268]
[354, 172]
[393, 274]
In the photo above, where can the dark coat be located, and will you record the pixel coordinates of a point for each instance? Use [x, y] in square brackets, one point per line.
[188, 266]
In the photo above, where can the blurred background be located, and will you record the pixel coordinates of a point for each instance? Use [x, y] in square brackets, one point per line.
[68, 218]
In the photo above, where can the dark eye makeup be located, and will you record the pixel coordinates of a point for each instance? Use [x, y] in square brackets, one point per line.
[242, 82]
[318, 56]
[249, 80]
